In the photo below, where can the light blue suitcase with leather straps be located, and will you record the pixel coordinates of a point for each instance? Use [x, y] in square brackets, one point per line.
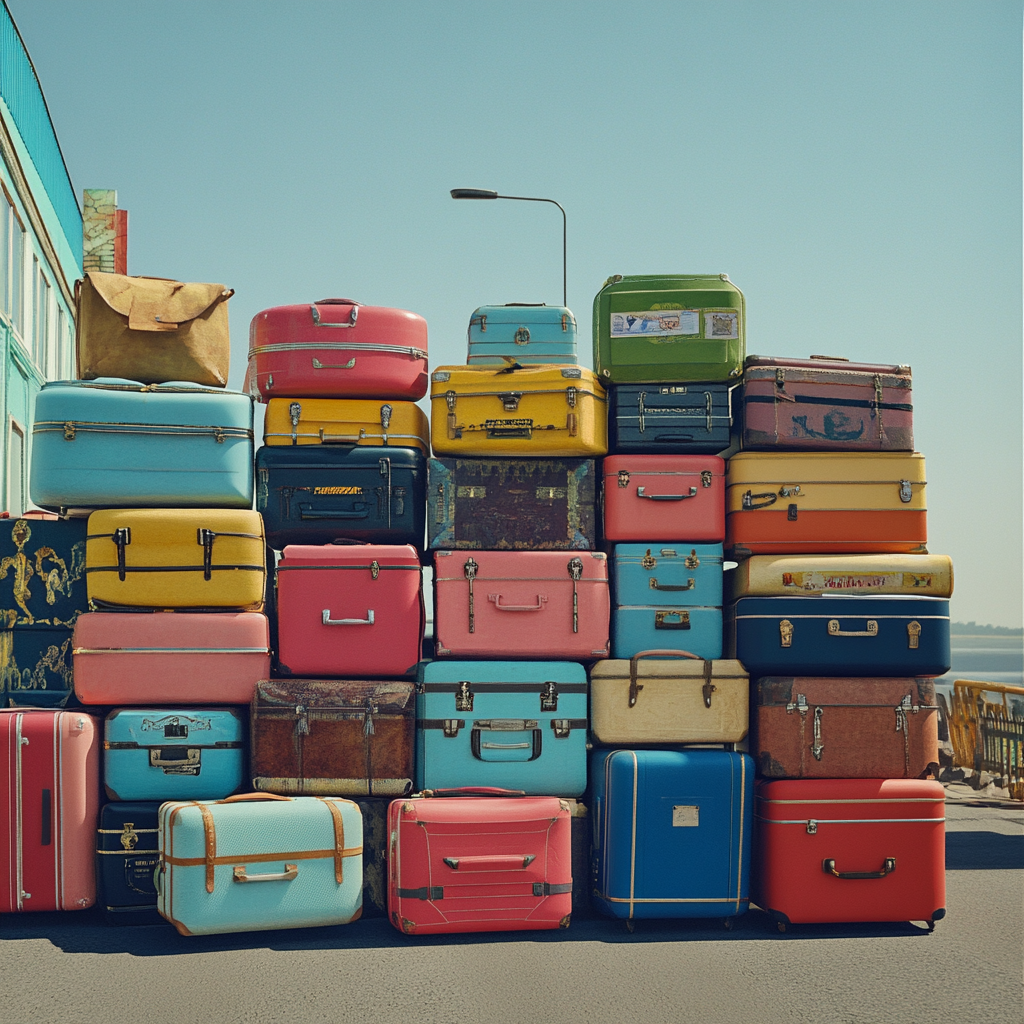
[522, 332]
[112, 443]
[666, 596]
[511, 724]
[257, 861]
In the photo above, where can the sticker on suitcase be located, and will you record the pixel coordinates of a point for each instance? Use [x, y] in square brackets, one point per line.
[817, 581]
[656, 323]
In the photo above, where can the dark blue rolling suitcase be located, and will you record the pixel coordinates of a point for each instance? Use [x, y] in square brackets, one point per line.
[671, 419]
[126, 856]
[671, 832]
[840, 636]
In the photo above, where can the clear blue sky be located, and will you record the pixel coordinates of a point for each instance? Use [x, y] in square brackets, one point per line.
[854, 167]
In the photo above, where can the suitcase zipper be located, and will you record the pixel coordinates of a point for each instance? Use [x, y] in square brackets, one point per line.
[338, 346]
[71, 428]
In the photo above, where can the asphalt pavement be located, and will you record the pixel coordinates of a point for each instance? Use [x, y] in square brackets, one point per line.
[73, 969]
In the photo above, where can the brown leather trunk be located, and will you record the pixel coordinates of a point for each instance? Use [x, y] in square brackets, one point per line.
[331, 737]
[810, 728]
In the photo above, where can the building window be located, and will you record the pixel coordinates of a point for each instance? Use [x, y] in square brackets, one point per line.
[12, 264]
[65, 347]
[40, 317]
[16, 469]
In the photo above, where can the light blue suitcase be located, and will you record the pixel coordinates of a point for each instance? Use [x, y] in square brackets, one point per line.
[172, 753]
[671, 832]
[667, 597]
[525, 332]
[302, 855]
[510, 724]
[112, 443]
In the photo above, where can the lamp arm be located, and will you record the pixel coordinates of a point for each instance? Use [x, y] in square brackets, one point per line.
[537, 199]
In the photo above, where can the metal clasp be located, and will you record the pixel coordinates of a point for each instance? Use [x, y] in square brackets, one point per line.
[623, 477]
[129, 837]
[913, 634]
[121, 537]
[570, 396]
[452, 726]
[206, 538]
[561, 728]
[470, 569]
[785, 633]
[817, 747]
[464, 697]
[510, 400]
[691, 561]
[375, 568]
[641, 409]
[449, 397]
[705, 478]
[549, 697]
[812, 827]
[575, 568]
[648, 561]
[800, 704]
[385, 416]
[906, 491]
[69, 431]
[522, 336]
[787, 492]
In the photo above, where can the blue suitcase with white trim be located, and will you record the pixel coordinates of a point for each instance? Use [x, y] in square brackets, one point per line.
[671, 832]
[508, 724]
[666, 596]
[523, 332]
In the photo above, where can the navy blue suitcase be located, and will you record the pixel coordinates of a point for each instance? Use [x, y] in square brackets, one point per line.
[671, 832]
[666, 596]
[840, 636]
[42, 593]
[127, 855]
[316, 494]
[671, 419]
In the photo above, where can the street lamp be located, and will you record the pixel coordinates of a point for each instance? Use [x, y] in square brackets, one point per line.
[486, 193]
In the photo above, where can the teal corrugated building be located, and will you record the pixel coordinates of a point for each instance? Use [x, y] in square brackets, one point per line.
[40, 257]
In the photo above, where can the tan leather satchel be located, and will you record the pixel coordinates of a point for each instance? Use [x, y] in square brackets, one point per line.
[152, 329]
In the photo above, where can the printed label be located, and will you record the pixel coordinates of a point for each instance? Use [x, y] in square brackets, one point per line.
[337, 490]
[720, 326]
[685, 816]
[857, 581]
[471, 492]
[656, 323]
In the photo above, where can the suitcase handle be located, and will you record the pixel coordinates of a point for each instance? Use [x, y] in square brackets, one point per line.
[291, 872]
[539, 606]
[474, 791]
[244, 797]
[315, 313]
[871, 629]
[655, 585]
[494, 862]
[534, 745]
[317, 365]
[635, 687]
[328, 621]
[829, 867]
[666, 497]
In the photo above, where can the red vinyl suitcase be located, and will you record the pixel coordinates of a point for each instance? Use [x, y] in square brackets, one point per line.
[336, 348]
[514, 604]
[49, 809]
[844, 850]
[170, 657]
[353, 611]
[664, 498]
[474, 860]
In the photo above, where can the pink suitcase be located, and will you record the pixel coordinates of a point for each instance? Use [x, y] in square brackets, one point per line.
[516, 604]
[336, 348]
[49, 809]
[353, 611]
[664, 498]
[170, 657]
[479, 860]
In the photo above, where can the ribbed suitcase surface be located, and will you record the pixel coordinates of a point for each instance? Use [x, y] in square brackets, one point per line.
[672, 835]
[498, 504]
[302, 856]
[515, 724]
[851, 850]
[112, 443]
[337, 348]
[840, 636]
[127, 856]
[318, 494]
[671, 418]
[346, 421]
[172, 753]
[479, 863]
[521, 332]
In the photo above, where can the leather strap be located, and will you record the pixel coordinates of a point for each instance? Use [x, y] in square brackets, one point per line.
[551, 889]
[425, 892]
[210, 835]
[339, 838]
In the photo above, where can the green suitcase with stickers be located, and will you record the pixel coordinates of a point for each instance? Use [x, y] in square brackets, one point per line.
[669, 328]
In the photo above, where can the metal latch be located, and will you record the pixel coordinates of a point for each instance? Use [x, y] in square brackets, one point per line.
[648, 561]
[623, 477]
[672, 620]
[708, 688]
[510, 400]
[817, 747]
[548, 697]
[906, 491]
[452, 726]
[449, 397]
[385, 416]
[787, 492]
[470, 569]
[691, 561]
[575, 568]
[464, 697]
[69, 431]
[913, 634]
[121, 537]
[206, 538]
[522, 336]
[561, 727]
[375, 568]
[800, 704]
[295, 411]
[785, 633]
[129, 837]
[570, 396]
[705, 478]
[812, 827]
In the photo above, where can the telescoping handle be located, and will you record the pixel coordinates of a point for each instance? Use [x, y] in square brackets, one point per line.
[635, 687]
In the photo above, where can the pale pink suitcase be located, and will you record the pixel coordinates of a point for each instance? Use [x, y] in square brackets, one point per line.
[164, 658]
[521, 604]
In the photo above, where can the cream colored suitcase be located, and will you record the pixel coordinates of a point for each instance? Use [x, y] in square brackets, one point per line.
[688, 701]
[870, 575]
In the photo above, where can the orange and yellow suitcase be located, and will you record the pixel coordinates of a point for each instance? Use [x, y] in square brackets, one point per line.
[817, 502]
[545, 409]
[294, 421]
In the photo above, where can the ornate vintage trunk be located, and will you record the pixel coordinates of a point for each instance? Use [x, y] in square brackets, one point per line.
[332, 737]
[496, 504]
[127, 856]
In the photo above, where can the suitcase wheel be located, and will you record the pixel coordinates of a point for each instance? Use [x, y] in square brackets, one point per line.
[728, 922]
[630, 925]
[781, 925]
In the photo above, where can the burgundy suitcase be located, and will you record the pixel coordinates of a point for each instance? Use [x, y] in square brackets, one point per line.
[479, 860]
[336, 348]
[353, 611]
[844, 850]
[810, 728]
[826, 403]
[49, 809]
[516, 604]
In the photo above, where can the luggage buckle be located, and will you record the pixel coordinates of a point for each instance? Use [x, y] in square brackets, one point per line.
[469, 568]
[69, 431]
[522, 336]
[691, 561]
[817, 748]
[121, 537]
[129, 837]
[906, 491]
[452, 726]
[463, 697]
[648, 561]
[549, 697]
[575, 568]
[561, 728]
[510, 400]
[709, 687]
[206, 538]
[570, 396]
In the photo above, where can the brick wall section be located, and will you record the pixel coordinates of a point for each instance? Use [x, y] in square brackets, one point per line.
[99, 230]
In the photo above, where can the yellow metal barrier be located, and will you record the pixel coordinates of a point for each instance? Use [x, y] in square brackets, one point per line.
[988, 735]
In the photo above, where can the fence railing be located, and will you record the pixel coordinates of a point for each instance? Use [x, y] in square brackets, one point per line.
[988, 735]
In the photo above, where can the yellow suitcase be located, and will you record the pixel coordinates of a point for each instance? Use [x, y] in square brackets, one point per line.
[871, 575]
[176, 558]
[345, 421]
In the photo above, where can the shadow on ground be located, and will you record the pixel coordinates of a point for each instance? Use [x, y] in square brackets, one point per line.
[974, 851]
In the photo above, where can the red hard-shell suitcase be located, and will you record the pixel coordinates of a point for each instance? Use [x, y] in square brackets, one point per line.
[353, 611]
[483, 861]
[170, 657]
[49, 809]
[514, 604]
[844, 850]
[336, 348]
[664, 498]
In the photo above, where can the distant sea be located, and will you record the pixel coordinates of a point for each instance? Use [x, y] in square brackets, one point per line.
[986, 658]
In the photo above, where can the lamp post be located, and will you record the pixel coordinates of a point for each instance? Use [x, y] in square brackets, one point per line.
[486, 193]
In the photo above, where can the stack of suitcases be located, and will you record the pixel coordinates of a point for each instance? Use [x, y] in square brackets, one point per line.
[230, 644]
